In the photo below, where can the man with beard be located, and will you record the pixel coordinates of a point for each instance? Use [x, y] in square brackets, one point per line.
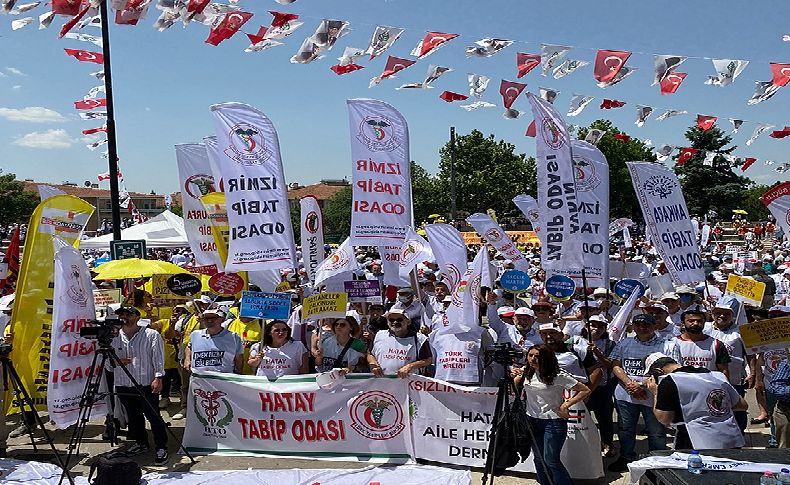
[696, 348]
[436, 301]
[400, 350]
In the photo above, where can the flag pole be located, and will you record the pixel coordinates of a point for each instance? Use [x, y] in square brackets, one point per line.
[586, 307]
[452, 175]
[112, 150]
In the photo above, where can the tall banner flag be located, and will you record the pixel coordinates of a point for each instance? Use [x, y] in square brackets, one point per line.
[216, 211]
[261, 231]
[464, 311]
[381, 210]
[212, 150]
[47, 191]
[342, 260]
[450, 252]
[71, 355]
[196, 179]
[592, 192]
[312, 235]
[667, 221]
[777, 200]
[390, 263]
[529, 207]
[414, 250]
[498, 238]
[31, 322]
[561, 251]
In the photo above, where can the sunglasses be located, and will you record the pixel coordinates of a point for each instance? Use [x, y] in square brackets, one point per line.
[395, 320]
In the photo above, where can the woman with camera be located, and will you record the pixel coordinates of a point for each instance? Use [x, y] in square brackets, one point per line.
[278, 354]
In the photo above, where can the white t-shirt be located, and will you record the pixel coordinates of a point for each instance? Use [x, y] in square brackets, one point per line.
[279, 361]
[393, 352]
[544, 400]
[331, 350]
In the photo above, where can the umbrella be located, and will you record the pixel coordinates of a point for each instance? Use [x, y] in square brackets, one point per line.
[135, 268]
[434, 216]
[740, 211]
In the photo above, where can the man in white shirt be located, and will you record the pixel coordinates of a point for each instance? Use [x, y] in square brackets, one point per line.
[214, 347]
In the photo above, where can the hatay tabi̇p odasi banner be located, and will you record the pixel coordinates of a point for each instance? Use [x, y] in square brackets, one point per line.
[381, 210]
[31, 322]
[261, 231]
[667, 221]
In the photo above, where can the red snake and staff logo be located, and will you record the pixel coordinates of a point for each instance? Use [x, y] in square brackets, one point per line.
[376, 415]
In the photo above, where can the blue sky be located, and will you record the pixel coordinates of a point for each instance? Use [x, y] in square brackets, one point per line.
[164, 82]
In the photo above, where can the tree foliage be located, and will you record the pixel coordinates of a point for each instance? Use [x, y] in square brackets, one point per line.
[16, 204]
[337, 216]
[752, 203]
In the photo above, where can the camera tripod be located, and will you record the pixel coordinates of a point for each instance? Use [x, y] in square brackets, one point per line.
[105, 353]
[22, 397]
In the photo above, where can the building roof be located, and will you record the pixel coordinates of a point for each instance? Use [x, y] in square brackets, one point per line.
[84, 192]
[321, 191]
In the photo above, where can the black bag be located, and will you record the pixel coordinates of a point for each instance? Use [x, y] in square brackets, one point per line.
[115, 469]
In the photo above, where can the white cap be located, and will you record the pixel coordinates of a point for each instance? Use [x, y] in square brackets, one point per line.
[598, 318]
[503, 310]
[549, 326]
[525, 311]
[652, 358]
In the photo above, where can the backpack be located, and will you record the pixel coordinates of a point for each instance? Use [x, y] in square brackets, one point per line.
[115, 469]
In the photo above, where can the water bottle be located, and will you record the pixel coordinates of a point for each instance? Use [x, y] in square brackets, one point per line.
[784, 477]
[695, 463]
[768, 478]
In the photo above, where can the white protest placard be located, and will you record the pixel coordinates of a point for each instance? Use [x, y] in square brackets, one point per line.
[312, 232]
[104, 297]
[496, 237]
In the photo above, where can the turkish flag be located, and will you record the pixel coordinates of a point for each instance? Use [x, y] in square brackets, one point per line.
[781, 133]
[340, 70]
[450, 96]
[705, 122]
[672, 82]
[86, 56]
[611, 103]
[93, 131]
[66, 7]
[685, 155]
[281, 18]
[622, 137]
[747, 163]
[90, 103]
[531, 130]
[781, 73]
[196, 6]
[510, 91]
[395, 64]
[255, 38]
[71, 23]
[608, 64]
[526, 63]
[431, 42]
[132, 13]
[227, 27]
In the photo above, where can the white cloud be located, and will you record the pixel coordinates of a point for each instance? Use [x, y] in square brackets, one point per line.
[32, 114]
[17, 87]
[50, 139]
[14, 71]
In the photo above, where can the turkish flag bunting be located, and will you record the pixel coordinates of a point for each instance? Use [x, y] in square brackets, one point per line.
[531, 130]
[685, 155]
[71, 23]
[781, 73]
[395, 64]
[255, 38]
[705, 122]
[228, 26]
[93, 131]
[431, 42]
[90, 103]
[672, 82]
[281, 18]
[526, 63]
[622, 137]
[196, 6]
[747, 163]
[132, 13]
[510, 91]
[450, 96]
[781, 133]
[340, 70]
[608, 64]
[66, 7]
[611, 103]
[86, 56]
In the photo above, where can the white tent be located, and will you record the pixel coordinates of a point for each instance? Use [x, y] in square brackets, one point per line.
[163, 231]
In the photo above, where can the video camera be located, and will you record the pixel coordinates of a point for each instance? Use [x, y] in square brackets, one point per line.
[102, 330]
[5, 349]
[505, 354]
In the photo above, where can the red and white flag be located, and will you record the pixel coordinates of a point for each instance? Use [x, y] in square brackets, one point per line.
[611, 103]
[66, 7]
[665, 65]
[106, 176]
[705, 122]
[510, 91]
[132, 12]
[747, 163]
[394, 64]
[71, 23]
[431, 42]
[283, 25]
[777, 200]
[382, 39]
[781, 74]
[781, 133]
[93, 131]
[90, 103]
[341, 69]
[531, 130]
[526, 63]
[86, 56]
[685, 155]
[450, 96]
[608, 64]
[672, 82]
[227, 27]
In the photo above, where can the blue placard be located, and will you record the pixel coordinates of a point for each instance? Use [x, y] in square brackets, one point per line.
[514, 280]
[256, 304]
[560, 287]
[100, 261]
[623, 288]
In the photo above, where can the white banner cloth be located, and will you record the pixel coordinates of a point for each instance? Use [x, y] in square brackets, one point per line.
[261, 231]
[342, 260]
[414, 250]
[381, 174]
[390, 264]
[710, 463]
[777, 200]
[312, 232]
[667, 221]
[498, 238]
[529, 207]
[464, 311]
[450, 252]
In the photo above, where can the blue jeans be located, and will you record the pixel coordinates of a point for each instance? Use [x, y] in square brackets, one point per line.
[550, 435]
[770, 403]
[626, 429]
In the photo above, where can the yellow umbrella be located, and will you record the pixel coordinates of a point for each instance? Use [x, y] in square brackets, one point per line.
[135, 268]
[740, 211]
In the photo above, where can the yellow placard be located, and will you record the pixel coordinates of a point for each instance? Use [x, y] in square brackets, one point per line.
[746, 290]
[772, 334]
[214, 204]
[159, 289]
[518, 237]
[282, 287]
[325, 305]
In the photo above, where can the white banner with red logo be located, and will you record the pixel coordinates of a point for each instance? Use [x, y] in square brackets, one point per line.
[667, 221]
[777, 200]
[381, 209]
[496, 237]
[71, 356]
[450, 251]
[414, 250]
[194, 175]
[390, 264]
[261, 231]
[312, 232]
[362, 418]
[341, 261]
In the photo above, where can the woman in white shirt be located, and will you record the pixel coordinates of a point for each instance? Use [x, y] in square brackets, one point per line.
[278, 354]
[343, 351]
[547, 410]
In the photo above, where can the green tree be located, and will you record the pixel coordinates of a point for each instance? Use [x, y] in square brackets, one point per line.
[16, 203]
[337, 216]
[752, 203]
[425, 194]
[488, 174]
[177, 210]
[622, 199]
[715, 186]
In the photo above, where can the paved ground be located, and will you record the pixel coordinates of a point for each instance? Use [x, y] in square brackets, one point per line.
[93, 445]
